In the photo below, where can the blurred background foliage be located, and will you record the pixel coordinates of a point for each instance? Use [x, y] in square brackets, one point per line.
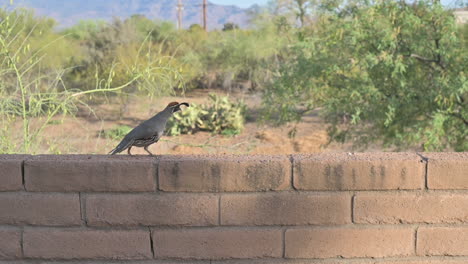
[391, 72]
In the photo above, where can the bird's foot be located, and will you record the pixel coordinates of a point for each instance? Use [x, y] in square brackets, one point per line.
[149, 152]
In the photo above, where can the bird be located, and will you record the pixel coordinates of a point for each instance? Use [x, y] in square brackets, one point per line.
[149, 131]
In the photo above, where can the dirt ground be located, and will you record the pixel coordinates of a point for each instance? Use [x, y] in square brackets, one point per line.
[83, 134]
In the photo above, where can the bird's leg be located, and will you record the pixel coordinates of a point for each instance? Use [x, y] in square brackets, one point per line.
[128, 151]
[146, 148]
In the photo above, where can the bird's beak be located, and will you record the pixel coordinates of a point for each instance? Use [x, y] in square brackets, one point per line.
[177, 107]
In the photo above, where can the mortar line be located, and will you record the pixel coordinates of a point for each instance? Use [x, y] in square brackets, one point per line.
[156, 175]
[237, 227]
[83, 209]
[219, 209]
[426, 162]
[22, 242]
[272, 260]
[291, 159]
[416, 240]
[352, 207]
[240, 193]
[283, 240]
[151, 243]
[23, 181]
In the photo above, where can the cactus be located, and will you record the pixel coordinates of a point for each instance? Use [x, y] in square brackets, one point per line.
[219, 115]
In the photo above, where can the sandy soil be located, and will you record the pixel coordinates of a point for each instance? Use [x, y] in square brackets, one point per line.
[83, 134]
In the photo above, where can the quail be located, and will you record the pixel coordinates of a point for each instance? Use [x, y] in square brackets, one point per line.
[148, 132]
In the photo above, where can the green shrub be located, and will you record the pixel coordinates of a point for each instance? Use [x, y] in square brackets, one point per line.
[117, 133]
[381, 72]
[220, 116]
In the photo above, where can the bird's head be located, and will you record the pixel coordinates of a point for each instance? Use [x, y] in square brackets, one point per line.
[175, 106]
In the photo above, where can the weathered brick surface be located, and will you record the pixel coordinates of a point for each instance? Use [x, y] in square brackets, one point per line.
[285, 209]
[410, 260]
[346, 210]
[90, 173]
[438, 260]
[379, 208]
[286, 261]
[217, 243]
[447, 170]
[224, 173]
[349, 242]
[442, 241]
[359, 171]
[445, 260]
[81, 261]
[152, 210]
[11, 178]
[86, 244]
[48, 209]
[10, 243]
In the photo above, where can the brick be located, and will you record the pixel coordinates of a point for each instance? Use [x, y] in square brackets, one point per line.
[359, 171]
[40, 209]
[252, 261]
[442, 241]
[410, 260]
[349, 242]
[11, 175]
[81, 173]
[152, 210]
[224, 173]
[217, 243]
[285, 209]
[81, 261]
[10, 243]
[424, 261]
[86, 244]
[286, 261]
[447, 170]
[411, 208]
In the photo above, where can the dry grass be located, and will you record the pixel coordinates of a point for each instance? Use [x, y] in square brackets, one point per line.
[83, 134]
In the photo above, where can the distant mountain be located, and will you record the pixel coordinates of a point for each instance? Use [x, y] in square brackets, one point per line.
[69, 12]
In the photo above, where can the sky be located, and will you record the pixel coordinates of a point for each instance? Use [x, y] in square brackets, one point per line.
[239, 3]
[248, 3]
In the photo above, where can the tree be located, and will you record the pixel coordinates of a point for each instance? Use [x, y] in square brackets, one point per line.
[382, 71]
[230, 26]
[299, 10]
[195, 27]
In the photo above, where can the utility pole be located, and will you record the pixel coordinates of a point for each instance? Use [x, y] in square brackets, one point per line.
[180, 7]
[204, 15]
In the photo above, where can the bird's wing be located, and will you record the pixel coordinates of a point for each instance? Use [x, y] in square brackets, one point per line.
[142, 131]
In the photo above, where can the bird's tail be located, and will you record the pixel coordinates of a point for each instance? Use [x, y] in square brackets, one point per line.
[123, 145]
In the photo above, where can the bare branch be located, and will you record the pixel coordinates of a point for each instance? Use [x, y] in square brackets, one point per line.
[421, 58]
[459, 116]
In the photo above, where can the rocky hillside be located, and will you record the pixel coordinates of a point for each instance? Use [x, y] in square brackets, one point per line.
[70, 12]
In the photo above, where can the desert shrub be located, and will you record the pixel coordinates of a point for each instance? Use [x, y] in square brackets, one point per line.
[33, 89]
[220, 116]
[117, 132]
[381, 72]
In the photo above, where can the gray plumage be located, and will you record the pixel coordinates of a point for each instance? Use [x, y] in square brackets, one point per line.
[148, 132]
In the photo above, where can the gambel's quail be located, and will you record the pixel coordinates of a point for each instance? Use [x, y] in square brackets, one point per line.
[148, 132]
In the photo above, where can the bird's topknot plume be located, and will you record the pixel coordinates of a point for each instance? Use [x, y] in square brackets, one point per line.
[172, 104]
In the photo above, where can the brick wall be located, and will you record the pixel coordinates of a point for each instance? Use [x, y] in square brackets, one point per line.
[375, 208]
